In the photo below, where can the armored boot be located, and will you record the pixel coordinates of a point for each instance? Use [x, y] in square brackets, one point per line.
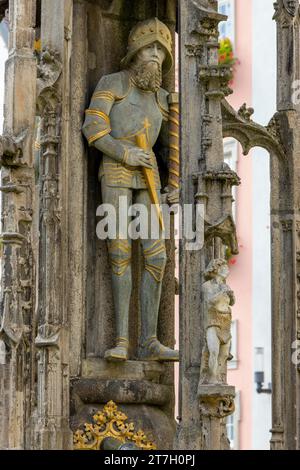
[120, 259]
[150, 348]
[119, 353]
[153, 350]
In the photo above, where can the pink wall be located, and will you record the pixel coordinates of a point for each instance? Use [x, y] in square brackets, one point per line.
[241, 268]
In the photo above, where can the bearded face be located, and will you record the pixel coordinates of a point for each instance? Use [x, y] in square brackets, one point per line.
[146, 67]
[147, 75]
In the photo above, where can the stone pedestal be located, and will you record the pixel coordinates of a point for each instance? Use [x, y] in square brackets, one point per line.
[216, 402]
[135, 386]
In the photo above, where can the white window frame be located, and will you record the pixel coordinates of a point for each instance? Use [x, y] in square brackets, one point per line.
[234, 421]
[230, 147]
[232, 8]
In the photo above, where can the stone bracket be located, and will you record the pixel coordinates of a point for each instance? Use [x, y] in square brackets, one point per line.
[249, 133]
[216, 401]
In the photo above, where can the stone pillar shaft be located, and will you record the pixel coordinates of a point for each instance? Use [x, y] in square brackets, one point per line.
[203, 86]
[17, 186]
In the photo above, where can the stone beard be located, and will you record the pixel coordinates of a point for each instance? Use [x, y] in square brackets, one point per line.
[147, 75]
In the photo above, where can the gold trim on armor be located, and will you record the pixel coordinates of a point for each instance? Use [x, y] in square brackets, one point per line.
[147, 250]
[95, 112]
[155, 249]
[97, 136]
[158, 250]
[119, 267]
[122, 245]
[103, 95]
[110, 96]
[130, 136]
[156, 271]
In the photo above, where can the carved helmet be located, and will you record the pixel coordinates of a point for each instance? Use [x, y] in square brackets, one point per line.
[143, 34]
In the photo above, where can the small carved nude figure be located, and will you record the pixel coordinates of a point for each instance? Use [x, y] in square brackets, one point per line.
[218, 299]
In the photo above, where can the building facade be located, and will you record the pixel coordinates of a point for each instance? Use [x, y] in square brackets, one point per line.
[254, 83]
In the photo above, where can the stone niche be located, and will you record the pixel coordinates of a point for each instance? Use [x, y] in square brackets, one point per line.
[145, 392]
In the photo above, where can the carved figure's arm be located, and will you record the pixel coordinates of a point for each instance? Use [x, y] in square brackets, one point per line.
[97, 129]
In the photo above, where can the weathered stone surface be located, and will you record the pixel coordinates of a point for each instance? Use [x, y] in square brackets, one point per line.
[135, 370]
[17, 202]
[92, 390]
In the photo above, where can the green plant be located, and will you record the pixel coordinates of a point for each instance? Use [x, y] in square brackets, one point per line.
[226, 54]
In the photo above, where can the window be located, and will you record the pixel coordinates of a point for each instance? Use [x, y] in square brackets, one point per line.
[227, 28]
[231, 157]
[232, 424]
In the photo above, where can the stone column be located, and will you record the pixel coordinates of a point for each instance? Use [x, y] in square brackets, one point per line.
[285, 210]
[206, 182]
[50, 424]
[17, 186]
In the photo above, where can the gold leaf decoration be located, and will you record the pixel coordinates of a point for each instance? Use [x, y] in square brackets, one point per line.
[110, 422]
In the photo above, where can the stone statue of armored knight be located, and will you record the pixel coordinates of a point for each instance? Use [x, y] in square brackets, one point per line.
[126, 108]
[218, 299]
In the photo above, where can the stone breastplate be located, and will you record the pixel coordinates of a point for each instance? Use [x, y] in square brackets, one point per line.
[138, 113]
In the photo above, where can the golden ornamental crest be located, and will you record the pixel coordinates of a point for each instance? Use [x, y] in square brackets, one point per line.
[110, 423]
